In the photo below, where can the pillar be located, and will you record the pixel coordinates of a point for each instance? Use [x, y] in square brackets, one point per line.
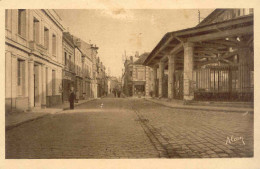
[244, 72]
[171, 70]
[43, 86]
[31, 83]
[147, 81]
[14, 81]
[161, 75]
[154, 80]
[26, 87]
[8, 75]
[40, 85]
[188, 93]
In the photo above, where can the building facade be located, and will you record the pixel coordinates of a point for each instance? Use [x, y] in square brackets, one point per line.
[128, 77]
[87, 67]
[142, 84]
[94, 85]
[33, 55]
[68, 78]
[78, 73]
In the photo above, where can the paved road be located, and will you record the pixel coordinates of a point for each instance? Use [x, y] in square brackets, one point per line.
[93, 130]
[132, 128]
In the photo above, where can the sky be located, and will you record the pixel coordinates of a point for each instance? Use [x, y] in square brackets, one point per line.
[117, 31]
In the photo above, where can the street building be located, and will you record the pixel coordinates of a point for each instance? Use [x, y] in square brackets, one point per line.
[94, 52]
[142, 84]
[128, 77]
[79, 73]
[112, 83]
[211, 61]
[137, 77]
[87, 67]
[33, 59]
[68, 78]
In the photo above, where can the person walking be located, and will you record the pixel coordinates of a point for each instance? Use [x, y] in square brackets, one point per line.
[114, 91]
[72, 98]
[118, 93]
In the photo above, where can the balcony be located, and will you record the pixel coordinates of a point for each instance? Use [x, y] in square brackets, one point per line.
[37, 47]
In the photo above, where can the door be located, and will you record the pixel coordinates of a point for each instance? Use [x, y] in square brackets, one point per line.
[34, 89]
[178, 90]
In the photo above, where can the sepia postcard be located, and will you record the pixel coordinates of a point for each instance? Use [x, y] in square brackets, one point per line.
[129, 84]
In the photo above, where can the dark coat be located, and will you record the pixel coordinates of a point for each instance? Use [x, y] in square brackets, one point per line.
[72, 97]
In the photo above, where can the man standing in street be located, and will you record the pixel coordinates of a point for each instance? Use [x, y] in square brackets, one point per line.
[114, 91]
[72, 98]
[118, 93]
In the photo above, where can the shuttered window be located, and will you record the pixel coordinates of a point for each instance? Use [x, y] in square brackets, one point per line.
[53, 82]
[20, 77]
[46, 38]
[36, 30]
[54, 44]
[22, 22]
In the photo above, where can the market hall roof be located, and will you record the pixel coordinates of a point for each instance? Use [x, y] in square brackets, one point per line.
[171, 43]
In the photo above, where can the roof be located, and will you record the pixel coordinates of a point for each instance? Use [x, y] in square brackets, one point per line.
[173, 40]
[142, 58]
[68, 38]
[211, 16]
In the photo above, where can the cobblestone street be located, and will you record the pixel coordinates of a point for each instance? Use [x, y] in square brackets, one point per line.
[132, 128]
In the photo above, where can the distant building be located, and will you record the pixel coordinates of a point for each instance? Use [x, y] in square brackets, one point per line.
[94, 52]
[79, 73]
[128, 77]
[137, 77]
[142, 85]
[87, 68]
[68, 78]
[112, 83]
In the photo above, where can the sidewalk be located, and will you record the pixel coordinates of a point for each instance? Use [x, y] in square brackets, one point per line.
[15, 119]
[209, 106]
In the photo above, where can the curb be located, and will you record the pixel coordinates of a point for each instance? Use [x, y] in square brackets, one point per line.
[195, 108]
[29, 120]
[9, 127]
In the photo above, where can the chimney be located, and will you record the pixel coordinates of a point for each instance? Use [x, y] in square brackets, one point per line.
[137, 54]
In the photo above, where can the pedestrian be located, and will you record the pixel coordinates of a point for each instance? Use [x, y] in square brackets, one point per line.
[118, 93]
[72, 98]
[114, 91]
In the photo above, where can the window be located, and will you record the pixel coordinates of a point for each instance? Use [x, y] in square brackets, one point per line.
[246, 11]
[65, 59]
[20, 76]
[36, 30]
[140, 75]
[46, 38]
[238, 12]
[251, 10]
[21, 22]
[6, 18]
[53, 82]
[54, 44]
[70, 66]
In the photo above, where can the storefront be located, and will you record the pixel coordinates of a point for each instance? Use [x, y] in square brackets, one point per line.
[139, 88]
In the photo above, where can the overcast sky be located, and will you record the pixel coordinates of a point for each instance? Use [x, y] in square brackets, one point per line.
[117, 30]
